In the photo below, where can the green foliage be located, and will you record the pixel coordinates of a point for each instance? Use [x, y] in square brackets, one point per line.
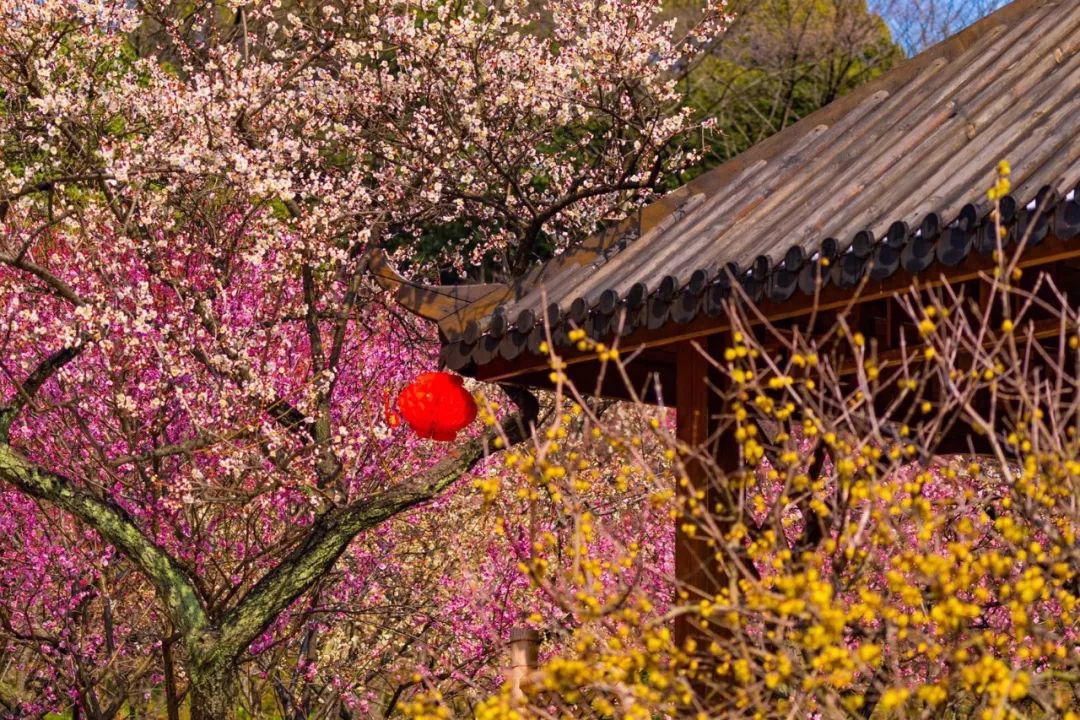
[780, 61]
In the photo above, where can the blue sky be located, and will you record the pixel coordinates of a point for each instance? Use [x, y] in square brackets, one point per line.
[918, 23]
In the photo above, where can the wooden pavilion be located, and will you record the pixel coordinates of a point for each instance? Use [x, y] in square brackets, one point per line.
[881, 189]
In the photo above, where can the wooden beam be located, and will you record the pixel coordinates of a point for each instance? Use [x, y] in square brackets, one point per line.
[651, 376]
[1039, 330]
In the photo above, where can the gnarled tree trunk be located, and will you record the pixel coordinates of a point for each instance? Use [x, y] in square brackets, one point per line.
[213, 689]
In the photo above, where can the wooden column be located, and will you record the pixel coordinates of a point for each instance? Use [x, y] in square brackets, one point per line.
[695, 404]
[524, 655]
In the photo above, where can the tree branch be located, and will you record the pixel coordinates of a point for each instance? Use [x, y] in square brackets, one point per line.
[25, 392]
[115, 526]
[335, 529]
[62, 289]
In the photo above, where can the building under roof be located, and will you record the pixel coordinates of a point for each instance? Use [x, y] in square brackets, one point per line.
[886, 184]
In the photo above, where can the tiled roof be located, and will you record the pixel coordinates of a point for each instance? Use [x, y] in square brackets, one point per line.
[893, 175]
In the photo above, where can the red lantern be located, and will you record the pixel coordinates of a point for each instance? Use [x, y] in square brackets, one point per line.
[437, 406]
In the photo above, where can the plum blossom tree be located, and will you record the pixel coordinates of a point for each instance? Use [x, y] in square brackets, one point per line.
[192, 362]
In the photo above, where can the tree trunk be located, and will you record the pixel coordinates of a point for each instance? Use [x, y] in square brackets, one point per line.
[172, 707]
[213, 690]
